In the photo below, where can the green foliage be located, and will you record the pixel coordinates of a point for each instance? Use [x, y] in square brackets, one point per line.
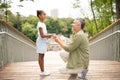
[27, 25]
[105, 14]
[59, 25]
[15, 20]
[4, 9]
[29, 30]
[30, 19]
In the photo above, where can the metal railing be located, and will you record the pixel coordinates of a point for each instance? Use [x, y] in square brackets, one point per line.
[14, 46]
[112, 34]
[17, 39]
[106, 45]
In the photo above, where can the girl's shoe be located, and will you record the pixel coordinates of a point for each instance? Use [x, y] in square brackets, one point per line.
[44, 73]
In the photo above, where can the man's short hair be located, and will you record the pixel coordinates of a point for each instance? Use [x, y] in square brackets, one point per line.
[82, 21]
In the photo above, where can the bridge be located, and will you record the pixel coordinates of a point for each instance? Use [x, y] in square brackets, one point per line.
[18, 58]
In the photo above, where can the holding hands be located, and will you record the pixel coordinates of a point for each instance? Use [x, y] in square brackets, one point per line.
[58, 40]
[55, 37]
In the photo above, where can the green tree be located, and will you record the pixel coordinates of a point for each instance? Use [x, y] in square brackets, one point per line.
[117, 2]
[104, 12]
[29, 30]
[27, 25]
[16, 21]
[68, 27]
[94, 17]
[90, 27]
[4, 9]
[30, 19]
[59, 25]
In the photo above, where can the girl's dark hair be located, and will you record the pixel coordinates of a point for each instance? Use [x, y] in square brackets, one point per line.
[39, 12]
[82, 21]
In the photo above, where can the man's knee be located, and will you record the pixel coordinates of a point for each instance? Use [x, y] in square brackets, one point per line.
[64, 55]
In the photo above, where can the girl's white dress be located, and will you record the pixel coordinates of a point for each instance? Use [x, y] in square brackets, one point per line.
[41, 46]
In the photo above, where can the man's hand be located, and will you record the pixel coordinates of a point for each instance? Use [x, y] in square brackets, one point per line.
[54, 35]
[57, 39]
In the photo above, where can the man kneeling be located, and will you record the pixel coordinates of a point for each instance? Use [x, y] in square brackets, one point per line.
[78, 51]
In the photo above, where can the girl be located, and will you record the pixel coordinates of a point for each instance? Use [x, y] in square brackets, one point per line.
[41, 40]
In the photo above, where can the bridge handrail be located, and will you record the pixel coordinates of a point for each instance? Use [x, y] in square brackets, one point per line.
[17, 38]
[16, 31]
[105, 37]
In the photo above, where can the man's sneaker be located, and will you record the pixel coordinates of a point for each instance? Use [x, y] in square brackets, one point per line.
[70, 71]
[44, 73]
[83, 74]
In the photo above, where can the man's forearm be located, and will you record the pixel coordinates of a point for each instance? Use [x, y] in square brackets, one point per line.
[62, 44]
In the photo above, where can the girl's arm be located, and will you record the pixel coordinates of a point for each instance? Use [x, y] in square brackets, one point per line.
[45, 35]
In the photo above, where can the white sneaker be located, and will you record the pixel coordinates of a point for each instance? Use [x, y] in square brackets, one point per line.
[45, 73]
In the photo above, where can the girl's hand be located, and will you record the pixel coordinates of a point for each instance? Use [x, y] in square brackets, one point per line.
[54, 35]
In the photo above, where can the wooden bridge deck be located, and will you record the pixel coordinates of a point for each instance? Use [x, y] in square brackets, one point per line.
[98, 70]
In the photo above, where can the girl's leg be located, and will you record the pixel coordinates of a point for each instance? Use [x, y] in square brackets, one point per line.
[41, 62]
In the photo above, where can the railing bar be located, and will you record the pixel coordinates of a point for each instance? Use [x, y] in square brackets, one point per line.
[17, 39]
[2, 33]
[105, 37]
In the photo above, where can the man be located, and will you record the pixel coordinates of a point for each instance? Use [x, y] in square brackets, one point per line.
[78, 59]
